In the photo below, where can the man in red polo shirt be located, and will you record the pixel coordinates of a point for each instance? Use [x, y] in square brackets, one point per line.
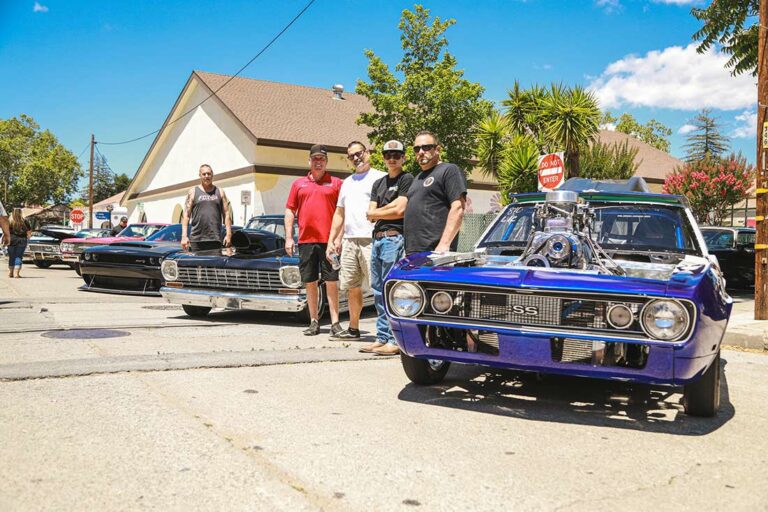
[312, 200]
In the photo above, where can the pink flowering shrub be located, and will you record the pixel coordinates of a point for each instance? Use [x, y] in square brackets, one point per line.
[712, 186]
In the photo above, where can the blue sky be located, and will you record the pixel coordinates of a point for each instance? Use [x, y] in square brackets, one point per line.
[115, 68]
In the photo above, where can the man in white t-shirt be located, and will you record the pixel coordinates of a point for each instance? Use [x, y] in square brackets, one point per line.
[351, 235]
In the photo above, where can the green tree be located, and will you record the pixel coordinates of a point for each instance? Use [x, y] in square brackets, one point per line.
[705, 142]
[428, 92]
[712, 186]
[492, 138]
[34, 166]
[652, 132]
[518, 169]
[733, 25]
[570, 117]
[609, 161]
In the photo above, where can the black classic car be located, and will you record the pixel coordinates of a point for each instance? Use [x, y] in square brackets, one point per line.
[735, 251]
[43, 246]
[131, 267]
[258, 275]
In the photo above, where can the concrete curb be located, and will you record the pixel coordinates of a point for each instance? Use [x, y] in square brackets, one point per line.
[165, 362]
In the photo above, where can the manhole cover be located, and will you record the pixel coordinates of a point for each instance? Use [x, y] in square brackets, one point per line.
[86, 334]
[162, 308]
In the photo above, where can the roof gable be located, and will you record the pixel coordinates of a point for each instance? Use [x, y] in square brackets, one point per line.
[274, 111]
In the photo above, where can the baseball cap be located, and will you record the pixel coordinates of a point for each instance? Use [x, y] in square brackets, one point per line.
[123, 218]
[393, 145]
[318, 149]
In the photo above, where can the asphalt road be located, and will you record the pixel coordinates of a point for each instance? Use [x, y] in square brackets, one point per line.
[124, 403]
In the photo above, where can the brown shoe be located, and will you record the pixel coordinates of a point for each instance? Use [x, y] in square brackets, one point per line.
[387, 350]
[369, 349]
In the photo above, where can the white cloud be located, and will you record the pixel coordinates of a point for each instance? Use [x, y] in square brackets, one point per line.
[748, 126]
[686, 129]
[611, 127]
[609, 6]
[676, 78]
[39, 7]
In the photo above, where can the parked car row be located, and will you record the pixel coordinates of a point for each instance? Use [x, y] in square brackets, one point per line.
[592, 280]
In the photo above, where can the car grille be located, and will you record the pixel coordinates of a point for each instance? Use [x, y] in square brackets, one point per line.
[45, 248]
[125, 259]
[241, 279]
[525, 309]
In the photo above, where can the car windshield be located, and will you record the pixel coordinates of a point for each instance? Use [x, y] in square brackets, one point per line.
[89, 233]
[619, 227]
[140, 230]
[170, 233]
[271, 224]
[718, 238]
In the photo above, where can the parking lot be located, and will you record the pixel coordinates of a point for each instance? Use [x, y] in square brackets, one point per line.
[123, 402]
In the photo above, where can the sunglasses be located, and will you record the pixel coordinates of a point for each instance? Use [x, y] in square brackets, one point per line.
[424, 147]
[392, 155]
[355, 156]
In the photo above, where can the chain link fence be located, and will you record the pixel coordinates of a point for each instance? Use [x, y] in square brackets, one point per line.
[472, 227]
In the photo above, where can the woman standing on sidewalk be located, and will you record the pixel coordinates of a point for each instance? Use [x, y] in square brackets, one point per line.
[20, 232]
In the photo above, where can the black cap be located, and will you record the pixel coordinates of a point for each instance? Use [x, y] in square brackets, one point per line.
[318, 149]
[123, 218]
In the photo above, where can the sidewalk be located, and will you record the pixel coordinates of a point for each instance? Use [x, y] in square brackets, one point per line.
[743, 330]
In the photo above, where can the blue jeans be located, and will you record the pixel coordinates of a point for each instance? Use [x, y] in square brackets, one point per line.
[15, 255]
[386, 252]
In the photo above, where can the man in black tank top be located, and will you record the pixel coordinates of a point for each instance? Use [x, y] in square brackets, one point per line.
[205, 209]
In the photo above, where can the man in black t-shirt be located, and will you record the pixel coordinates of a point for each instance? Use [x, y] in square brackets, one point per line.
[436, 200]
[386, 210]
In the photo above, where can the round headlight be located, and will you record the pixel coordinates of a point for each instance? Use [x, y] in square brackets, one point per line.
[290, 276]
[94, 257]
[406, 299]
[620, 316]
[87, 256]
[558, 247]
[170, 270]
[442, 302]
[665, 319]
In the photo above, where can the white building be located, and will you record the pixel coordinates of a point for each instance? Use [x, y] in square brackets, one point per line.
[256, 136]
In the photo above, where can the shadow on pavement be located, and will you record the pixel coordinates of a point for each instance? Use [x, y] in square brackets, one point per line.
[570, 400]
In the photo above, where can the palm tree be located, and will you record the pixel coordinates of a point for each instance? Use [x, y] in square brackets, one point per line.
[519, 166]
[521, 109]
[570, 119]
[492, 135]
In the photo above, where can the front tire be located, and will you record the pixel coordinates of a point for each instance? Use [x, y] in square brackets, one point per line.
[422, 371]
[76, 268]
[43, 264]
[702, 398]
[196, 311]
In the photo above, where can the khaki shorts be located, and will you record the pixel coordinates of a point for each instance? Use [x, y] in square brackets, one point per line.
[355, 269]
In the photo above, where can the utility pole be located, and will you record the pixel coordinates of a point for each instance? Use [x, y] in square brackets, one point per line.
[90, 185]
[761, 182]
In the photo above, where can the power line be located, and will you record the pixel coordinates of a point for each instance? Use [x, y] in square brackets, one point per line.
[83, 151]
[222, 85]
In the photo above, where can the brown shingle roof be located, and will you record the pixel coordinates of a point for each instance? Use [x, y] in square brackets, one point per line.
[654, 164]
[291, 113]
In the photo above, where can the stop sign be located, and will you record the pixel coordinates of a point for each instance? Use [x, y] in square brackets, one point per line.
[551, 171]
[77, 216]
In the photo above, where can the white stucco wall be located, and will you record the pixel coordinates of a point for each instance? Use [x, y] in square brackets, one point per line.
[208, 135]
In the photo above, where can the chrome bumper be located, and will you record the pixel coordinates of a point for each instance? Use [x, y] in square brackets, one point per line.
[234, 300]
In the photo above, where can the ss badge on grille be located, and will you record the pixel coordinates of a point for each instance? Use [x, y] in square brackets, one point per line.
[518, 309]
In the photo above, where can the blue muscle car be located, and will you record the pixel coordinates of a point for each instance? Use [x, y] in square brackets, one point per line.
[595, 281]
